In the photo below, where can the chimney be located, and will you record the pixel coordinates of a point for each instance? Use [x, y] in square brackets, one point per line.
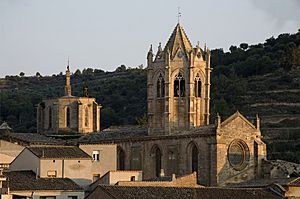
[36, 174]
[257, 122]
[173, 177]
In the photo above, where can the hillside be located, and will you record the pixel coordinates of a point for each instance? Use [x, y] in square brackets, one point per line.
[262, 78]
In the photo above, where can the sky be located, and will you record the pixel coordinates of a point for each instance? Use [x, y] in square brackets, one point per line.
[40, 35]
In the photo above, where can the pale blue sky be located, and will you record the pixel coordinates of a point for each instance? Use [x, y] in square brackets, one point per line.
[40, 35]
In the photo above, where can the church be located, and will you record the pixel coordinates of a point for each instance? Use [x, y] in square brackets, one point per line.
[179, 139]
[68, 113]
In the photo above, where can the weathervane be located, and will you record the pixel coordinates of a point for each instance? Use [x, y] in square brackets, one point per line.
[178, 14]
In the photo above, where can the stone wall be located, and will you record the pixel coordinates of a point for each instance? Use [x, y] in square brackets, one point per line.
[239, 150]
[68, 114]
[178, 147]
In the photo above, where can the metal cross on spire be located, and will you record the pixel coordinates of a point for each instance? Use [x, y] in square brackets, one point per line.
[178, 14]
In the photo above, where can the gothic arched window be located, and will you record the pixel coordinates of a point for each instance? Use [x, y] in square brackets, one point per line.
[50, 118]
[197, 86]
[68, 117]
[160, 86]
[194, 159]
[157, 162]
[158, 91]
[179, 86]
[86, 116]
[121, 159]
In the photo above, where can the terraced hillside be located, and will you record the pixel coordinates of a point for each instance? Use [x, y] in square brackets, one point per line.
[262, 78]
[276, 97]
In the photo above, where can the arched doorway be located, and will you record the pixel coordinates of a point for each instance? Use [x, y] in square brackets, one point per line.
[121, 159]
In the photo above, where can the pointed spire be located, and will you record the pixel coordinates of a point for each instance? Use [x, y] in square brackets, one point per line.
[85, 90]
[218, 121]
[150, 55]
[159, 47]
[257, 122]
[178, 39]
[150, 50]
[159, 51]
[68, 81]
[68, 66]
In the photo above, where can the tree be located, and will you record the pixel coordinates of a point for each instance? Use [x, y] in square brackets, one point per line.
[296, 57]
[244, 46]
[88, 71]
[22, 74]
[121, 68]
[77, 72]
[38, 74]
[98, 71]
[141, 66]
[142, 121]
[232, 48]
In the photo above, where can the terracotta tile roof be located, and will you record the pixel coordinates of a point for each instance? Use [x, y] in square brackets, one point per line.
[26, 180]
[63, 152]
[126, 192]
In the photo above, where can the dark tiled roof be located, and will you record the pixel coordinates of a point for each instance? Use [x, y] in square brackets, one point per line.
[113, 133]
[138, 132]
[58, 152]
[30, 139]
[26, 180]
[123, 192]
[160, 178]
[267, 182]
[295, 182]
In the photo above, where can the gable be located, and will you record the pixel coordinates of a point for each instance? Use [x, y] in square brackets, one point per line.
[26, 160]
[237, 121]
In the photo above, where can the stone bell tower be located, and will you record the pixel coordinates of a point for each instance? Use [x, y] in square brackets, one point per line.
[178, 85]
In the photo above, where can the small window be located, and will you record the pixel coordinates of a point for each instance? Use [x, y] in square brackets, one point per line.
[53, 161]
[132, 178]
[72, 197]
[96, 177]
[68, 117]
[51, 174]
[86, 120]
[96, 155]
[199, 89]
[50, 118]
[179, 86]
